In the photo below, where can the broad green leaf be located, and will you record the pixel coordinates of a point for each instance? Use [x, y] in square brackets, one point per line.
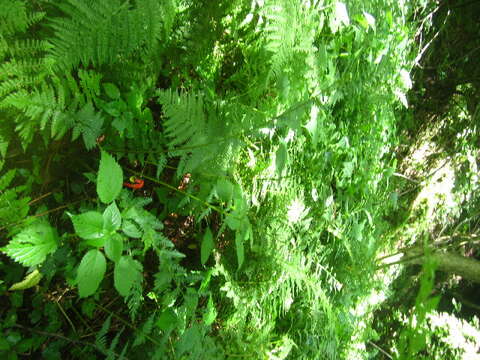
[29, 281]
[112, 220]
[125, 273]
[207, 246]
[111, 90]
[224, 189]
[91, 272]
[110, 178]
[88, 225]
[166, 320]
[239, 238]
[210, 313]
[114, 247]
[32, 245]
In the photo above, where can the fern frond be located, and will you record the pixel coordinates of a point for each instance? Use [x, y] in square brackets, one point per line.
[13, 17]
[105, 32]
[100, 338]
[202, 133]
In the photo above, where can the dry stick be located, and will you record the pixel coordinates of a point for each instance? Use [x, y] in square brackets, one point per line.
[66, 317]
[62, 337]
[380, 349]
[42, 214]
[40, 198]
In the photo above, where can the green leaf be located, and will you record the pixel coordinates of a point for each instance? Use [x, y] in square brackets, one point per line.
[91, 272]
[112, 91]
[88, 123]
[125, 273]
[210, 313]
[281, 157]
[88, 225]
[114, 247]
[207, 246]
[110, 178]
[239, 238]
[131, 229]
[29, 281]
[168, 319]
[224, 189]
[3, 146]
[112, 220]
[32, 245]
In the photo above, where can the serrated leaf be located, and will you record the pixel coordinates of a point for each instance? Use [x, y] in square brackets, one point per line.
[110, 178]
[112, 91]
[29, 281]
[91, 272]
[207, 246]
[131, 229]
[114, 247]
[88, 225]
[125, 273]
[210, 313]
[112, 220]
[32, 245]
[89, 123]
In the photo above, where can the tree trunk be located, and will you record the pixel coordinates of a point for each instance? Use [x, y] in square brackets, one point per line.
[449, 262]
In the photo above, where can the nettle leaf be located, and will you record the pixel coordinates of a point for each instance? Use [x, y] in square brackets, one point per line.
[29, 281]
[112, 220]
[131, 229]
[126, 271]
[110, 178]
[91, 272]
[114, 247]
[88, 225]
[32, 245]
[207, 246]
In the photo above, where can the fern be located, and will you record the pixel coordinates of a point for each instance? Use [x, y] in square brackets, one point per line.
[202, 132]
[13, 17]
[13, 207]
[106, 32]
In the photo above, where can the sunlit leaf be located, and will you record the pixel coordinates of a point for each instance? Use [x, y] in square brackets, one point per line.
[110, 178]
[29, 281]
[32, 245]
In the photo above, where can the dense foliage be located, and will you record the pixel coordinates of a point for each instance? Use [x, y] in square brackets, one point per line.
[205, 179]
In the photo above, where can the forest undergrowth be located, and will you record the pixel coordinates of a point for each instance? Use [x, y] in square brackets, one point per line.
[200, 179]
